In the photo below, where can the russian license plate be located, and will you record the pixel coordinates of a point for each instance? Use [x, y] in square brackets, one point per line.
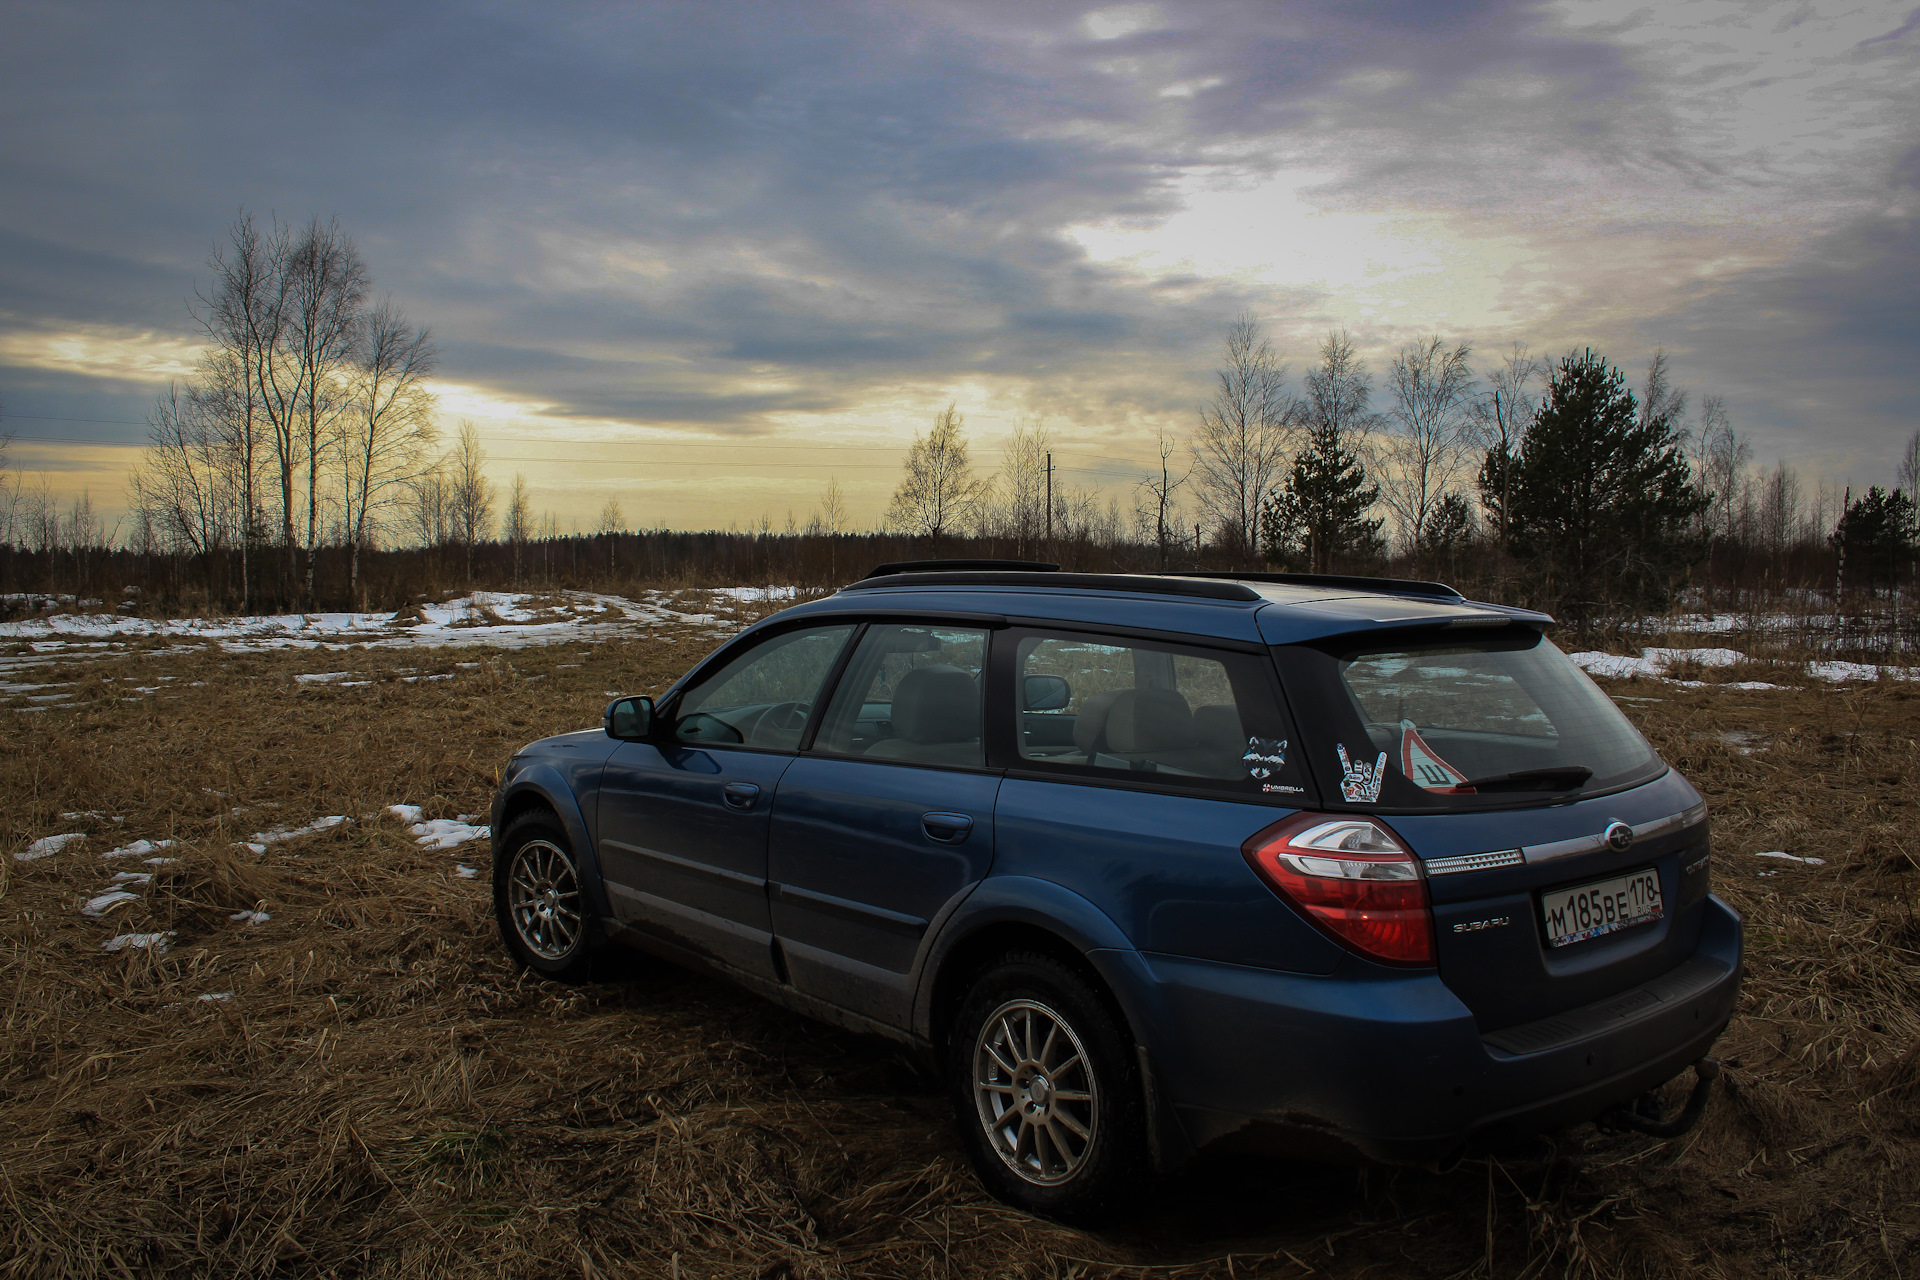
[1589, 910]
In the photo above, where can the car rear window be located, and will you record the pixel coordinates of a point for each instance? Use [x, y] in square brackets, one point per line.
[1454, 723]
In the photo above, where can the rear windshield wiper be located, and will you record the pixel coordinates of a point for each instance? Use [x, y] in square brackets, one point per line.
[1563, 777]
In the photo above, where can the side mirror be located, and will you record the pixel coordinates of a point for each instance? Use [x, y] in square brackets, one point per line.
[1047, 693]
[629, 719]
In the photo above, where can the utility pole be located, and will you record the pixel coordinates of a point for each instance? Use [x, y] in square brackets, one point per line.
[1049, 502]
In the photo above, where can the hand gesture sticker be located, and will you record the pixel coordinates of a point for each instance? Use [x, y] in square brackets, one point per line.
[1360, 783]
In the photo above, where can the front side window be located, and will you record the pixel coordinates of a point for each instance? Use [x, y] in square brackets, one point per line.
[1124, 709]
[765, 696]
[1465, 724]
[912, 693]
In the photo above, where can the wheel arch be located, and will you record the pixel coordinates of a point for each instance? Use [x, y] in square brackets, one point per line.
[542, 788]
[1019, 914]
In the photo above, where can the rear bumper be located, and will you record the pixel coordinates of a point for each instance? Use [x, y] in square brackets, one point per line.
[1390, 1067]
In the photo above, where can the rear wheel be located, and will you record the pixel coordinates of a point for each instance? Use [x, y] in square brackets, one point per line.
[1046, 1090]
[538, 902]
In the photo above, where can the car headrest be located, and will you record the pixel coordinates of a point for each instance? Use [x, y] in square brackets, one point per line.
[1148, 720]
[1090, 726]
[936, 704]
[1218, 727]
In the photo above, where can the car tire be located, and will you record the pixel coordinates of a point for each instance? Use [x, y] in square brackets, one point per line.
[539, 902]
[1047, 1091]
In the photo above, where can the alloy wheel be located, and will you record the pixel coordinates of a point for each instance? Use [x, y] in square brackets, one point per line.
[543, 898]
[1035, 1092]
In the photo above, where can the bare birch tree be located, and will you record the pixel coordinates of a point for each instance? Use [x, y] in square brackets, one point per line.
[1159, 508]
[1722, 460]
[9, 493]
[519, 523]
[185, 483]
[833, 522]
[1659, 397]
[244, 318]
[1498, 419]
[326, 283]
[470, 493]
[1023, 467]
[938, 492]
[1241, 444]
[1432, 387]
[386, 426]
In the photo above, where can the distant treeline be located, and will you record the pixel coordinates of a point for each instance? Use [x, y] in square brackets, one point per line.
[110, 579]
[301, 467]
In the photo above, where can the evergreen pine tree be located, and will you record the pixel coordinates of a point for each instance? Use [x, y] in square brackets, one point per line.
[1601, 502]
[1321, 510]
[1875, 538]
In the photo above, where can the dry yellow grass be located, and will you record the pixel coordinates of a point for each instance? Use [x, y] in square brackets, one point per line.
[383, 1095]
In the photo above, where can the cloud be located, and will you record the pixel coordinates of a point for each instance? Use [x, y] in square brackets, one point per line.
[738, 219]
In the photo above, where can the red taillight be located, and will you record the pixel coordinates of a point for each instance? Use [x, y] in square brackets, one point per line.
[1354, 879]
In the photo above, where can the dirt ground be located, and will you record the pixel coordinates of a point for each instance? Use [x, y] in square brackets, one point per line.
[360, 1085]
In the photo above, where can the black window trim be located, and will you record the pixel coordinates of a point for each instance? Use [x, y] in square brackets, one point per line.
[1228, 643]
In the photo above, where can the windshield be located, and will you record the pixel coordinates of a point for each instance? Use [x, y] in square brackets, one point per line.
[1466, 724]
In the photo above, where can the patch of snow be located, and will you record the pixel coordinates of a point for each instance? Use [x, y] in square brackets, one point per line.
[322, 677]
[155, 942]
[97, 907]
[212, 996]
[47, 846]
[1793, 857]
[261, 839]
[405, 812]
[754, 595]
[464, 871]
[250, 917]
[441, 834]
[508, 620]
[1840, 672]
[160, 862]
[132, 877]
[137, 849]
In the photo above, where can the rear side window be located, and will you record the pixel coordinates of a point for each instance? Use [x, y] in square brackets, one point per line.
[1122, 709]
[1455, 724]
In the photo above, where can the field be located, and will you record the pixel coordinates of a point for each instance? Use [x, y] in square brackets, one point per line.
[331, 1069]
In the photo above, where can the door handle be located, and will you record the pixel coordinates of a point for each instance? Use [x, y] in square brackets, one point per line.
[740, 795]
[947, 828]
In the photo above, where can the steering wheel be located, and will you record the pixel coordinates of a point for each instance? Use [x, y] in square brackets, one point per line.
[781, 720]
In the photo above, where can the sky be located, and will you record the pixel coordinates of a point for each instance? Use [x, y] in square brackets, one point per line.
[703, 258]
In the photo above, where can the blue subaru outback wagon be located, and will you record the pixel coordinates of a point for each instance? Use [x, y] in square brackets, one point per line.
[1331, 866]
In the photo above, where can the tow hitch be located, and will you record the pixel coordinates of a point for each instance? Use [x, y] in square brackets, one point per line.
[1643, 1115]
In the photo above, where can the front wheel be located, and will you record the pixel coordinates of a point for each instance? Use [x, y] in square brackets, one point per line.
[537, 900]
[1047, 1092]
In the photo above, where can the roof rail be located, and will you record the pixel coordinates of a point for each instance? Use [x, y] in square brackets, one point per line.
[1145, 584]
[1359, 582]
[961, 566]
